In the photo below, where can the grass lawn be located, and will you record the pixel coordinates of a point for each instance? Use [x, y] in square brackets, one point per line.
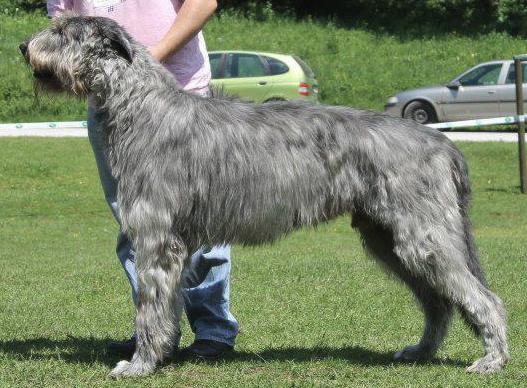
[313, 310]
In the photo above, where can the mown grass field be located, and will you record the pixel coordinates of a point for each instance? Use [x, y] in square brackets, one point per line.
[313, 310]
[354, 67]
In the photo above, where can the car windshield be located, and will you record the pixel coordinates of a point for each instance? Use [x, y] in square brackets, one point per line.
[482, 75]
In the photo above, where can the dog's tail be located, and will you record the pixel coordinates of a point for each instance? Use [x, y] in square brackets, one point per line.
[462, 182]
[461, 179]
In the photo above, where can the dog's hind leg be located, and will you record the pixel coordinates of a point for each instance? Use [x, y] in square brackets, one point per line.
[378, 241]
[485, 311]
[482, 310]
[159, 264]
[438, 252]
[438, 314]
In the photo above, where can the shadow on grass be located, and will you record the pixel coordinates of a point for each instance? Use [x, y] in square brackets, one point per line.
[70, 349]
[354, 354]
[92, 350]
[508, 190]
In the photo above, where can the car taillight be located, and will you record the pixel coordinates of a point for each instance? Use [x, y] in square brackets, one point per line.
[303, 89]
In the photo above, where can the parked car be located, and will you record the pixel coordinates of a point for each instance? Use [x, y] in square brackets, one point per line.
[484, 91]
[262, 77]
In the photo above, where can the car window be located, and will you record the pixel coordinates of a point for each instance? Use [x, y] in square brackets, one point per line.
[307, 70]
[215, 65]
[250, 66]
[244, 65]
[511, 75]
[482, 76]
[276, 67]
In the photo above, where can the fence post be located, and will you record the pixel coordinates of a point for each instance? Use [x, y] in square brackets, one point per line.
[521, 122]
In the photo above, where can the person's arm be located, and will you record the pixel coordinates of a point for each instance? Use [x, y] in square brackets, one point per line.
[57, 7]
[190, 19]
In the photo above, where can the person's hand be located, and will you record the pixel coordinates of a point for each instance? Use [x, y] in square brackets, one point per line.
[191, 18]
[157, 52]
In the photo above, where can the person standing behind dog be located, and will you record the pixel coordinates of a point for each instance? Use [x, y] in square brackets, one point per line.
[171, 29]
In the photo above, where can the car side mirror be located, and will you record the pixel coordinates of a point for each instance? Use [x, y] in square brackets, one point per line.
[454, 85]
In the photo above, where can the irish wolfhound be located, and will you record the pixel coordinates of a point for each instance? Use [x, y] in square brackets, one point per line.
[199, 171]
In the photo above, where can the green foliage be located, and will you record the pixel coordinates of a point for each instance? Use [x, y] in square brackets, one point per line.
[512, 15]
[13, 6]
[260, 11]
[410, 16]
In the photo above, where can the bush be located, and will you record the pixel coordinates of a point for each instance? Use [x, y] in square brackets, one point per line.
[512, 16]
[389, 15]
[401, 16]
[11, 6]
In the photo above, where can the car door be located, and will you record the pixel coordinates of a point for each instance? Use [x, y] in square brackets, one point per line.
[247, 76]
[476, 95]
[507, 91]
[284, 84]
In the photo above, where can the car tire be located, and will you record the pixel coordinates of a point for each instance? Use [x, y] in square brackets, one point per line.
[420, 112]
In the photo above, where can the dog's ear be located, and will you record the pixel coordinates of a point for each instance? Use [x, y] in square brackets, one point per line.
[122, 45]
[119, 39]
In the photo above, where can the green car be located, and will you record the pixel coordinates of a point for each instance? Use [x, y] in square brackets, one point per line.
[262, 77]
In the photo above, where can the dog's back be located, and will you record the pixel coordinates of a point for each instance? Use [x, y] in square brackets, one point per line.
[300, 164]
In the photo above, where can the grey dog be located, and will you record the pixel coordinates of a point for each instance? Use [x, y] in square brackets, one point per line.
[196, 171]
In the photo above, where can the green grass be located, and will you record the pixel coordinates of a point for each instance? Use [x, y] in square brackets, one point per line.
[355, 67]
[313, 310]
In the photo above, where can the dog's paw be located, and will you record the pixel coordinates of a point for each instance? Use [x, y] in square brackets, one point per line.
[412, 353]
[130, 369]
[491, 363]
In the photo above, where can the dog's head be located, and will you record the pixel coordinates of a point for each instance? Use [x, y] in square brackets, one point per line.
[75, 52]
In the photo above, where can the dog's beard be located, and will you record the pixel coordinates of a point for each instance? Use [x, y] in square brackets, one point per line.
[46, 82]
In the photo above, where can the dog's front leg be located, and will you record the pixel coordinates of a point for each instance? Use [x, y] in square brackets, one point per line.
[159, 266]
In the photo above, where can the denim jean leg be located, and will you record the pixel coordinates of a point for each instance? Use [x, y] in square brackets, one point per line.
[207, 304]
[124, 248]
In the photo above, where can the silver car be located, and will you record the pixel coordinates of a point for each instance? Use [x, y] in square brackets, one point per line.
[484, 91]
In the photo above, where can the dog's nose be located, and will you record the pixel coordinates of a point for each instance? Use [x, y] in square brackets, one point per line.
[23, 47]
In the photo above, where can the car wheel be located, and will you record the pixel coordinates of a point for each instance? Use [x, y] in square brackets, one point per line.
[421, 112]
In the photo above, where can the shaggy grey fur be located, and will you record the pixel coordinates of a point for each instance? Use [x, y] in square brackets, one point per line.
[195, 171]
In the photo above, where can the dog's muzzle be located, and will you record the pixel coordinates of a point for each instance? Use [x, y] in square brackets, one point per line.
[23, 48]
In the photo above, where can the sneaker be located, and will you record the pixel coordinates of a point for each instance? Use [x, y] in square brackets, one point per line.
[124, 349]
[203, 349]
[127, 348]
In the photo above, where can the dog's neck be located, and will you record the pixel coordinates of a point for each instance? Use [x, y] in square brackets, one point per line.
[136, 85]
[117, 81]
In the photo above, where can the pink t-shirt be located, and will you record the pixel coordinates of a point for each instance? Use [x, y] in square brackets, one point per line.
[148, 22]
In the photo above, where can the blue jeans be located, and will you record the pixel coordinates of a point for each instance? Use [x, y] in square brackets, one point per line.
[206, 293]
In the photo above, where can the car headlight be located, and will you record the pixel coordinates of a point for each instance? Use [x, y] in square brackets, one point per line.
[392, 100]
